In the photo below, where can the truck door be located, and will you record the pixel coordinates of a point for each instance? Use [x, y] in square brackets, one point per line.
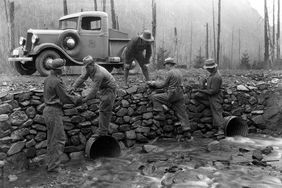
[94, 36]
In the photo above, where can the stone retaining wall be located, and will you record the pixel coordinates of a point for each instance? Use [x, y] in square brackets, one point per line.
[23, 132]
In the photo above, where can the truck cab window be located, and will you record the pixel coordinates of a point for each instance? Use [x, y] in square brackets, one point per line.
[91, 23]
[68, 23]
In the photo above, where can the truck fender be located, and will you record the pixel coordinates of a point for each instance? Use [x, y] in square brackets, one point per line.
[38, 49]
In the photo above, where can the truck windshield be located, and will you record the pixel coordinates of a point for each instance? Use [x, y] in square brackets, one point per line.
[68, 23]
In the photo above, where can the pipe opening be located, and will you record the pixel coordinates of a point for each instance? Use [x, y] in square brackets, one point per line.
[235, 126]
[103, 146]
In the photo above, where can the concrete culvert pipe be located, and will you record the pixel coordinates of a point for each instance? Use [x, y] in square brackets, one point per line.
[102, 146]
[235, 126]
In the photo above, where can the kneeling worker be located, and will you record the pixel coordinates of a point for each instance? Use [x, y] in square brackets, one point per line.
[174, 97]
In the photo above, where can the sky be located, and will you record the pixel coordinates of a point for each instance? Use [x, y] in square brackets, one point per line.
[259, 5]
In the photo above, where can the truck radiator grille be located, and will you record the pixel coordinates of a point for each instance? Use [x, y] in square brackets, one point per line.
[28, 42]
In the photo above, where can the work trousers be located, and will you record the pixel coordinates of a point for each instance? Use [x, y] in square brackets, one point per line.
[174, 100]
[56, 137]
[215, 104]
[107, 99]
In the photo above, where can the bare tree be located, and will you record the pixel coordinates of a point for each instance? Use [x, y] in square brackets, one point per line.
[65, 5]
[232, 39]
[113, 14]
[95, 5]
[207, 40]
[218, 32]
[266, 39]
[239, 42]
[12, 24]
[104, 5]
[175, 44]
[273, 31]
[213, 28]
[278, 32]
[154, 28]
[191, 43]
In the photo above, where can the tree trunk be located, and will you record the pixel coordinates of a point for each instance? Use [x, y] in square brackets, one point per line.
[12, 24]
[65, 7]
[266, 39]
[117, 23]
[239, 46]
[273, 32]
[213, 28]
[113, 14]
[154, 28]
[232, 40]
[95, 5]
[104, 5]
[207, 40]
[218, 32]
[191, 44]
[278, 32]
[175, 45]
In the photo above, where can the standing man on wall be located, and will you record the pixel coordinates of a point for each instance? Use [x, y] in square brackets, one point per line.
[104, 82]
[134, 51]
[174, 97]
[211, 94]
[55, 95]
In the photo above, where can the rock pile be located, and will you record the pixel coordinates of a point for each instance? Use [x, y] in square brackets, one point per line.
[23, 131]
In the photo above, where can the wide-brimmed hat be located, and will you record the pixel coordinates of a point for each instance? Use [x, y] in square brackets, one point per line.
[169, 60]
[147, 36]
[209, 64]
[88, 59]
[56, 63]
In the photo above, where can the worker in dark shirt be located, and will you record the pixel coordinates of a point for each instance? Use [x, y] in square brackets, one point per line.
[135, 52]
[174, 97]
[211, 94]
[55, 95]
[103, 82]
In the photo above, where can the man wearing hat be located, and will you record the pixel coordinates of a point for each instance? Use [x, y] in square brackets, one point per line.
[103, 82]
[55, 95]
[134, 51]
[211, 94]
[174, 97]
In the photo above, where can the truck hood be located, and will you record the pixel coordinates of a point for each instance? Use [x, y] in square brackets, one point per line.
[46, 31]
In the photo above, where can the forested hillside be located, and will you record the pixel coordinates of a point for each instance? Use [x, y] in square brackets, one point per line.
[135, 15]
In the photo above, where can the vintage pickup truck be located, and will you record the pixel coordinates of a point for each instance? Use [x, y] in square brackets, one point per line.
[79, 35]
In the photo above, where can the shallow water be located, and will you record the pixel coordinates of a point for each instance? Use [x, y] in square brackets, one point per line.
[174, 165]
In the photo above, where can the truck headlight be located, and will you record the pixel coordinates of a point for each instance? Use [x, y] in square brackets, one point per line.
[34, 38]
[22, 41]
[70, 43]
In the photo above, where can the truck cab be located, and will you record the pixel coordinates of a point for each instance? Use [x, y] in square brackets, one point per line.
[79, 35]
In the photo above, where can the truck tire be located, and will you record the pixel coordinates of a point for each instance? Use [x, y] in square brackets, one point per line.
[64, 37]
[24, 69]
[42, 59]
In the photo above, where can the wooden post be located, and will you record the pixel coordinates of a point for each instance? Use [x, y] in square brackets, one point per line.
[278, 32]
[95, 5]
[154, 28]
[113, 14]
[207, 40]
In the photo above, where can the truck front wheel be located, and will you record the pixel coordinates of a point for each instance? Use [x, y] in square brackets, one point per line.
[24, 69]
[42, 59]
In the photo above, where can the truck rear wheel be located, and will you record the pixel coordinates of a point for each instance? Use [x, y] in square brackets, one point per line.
[42, 59]
[24, 69]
